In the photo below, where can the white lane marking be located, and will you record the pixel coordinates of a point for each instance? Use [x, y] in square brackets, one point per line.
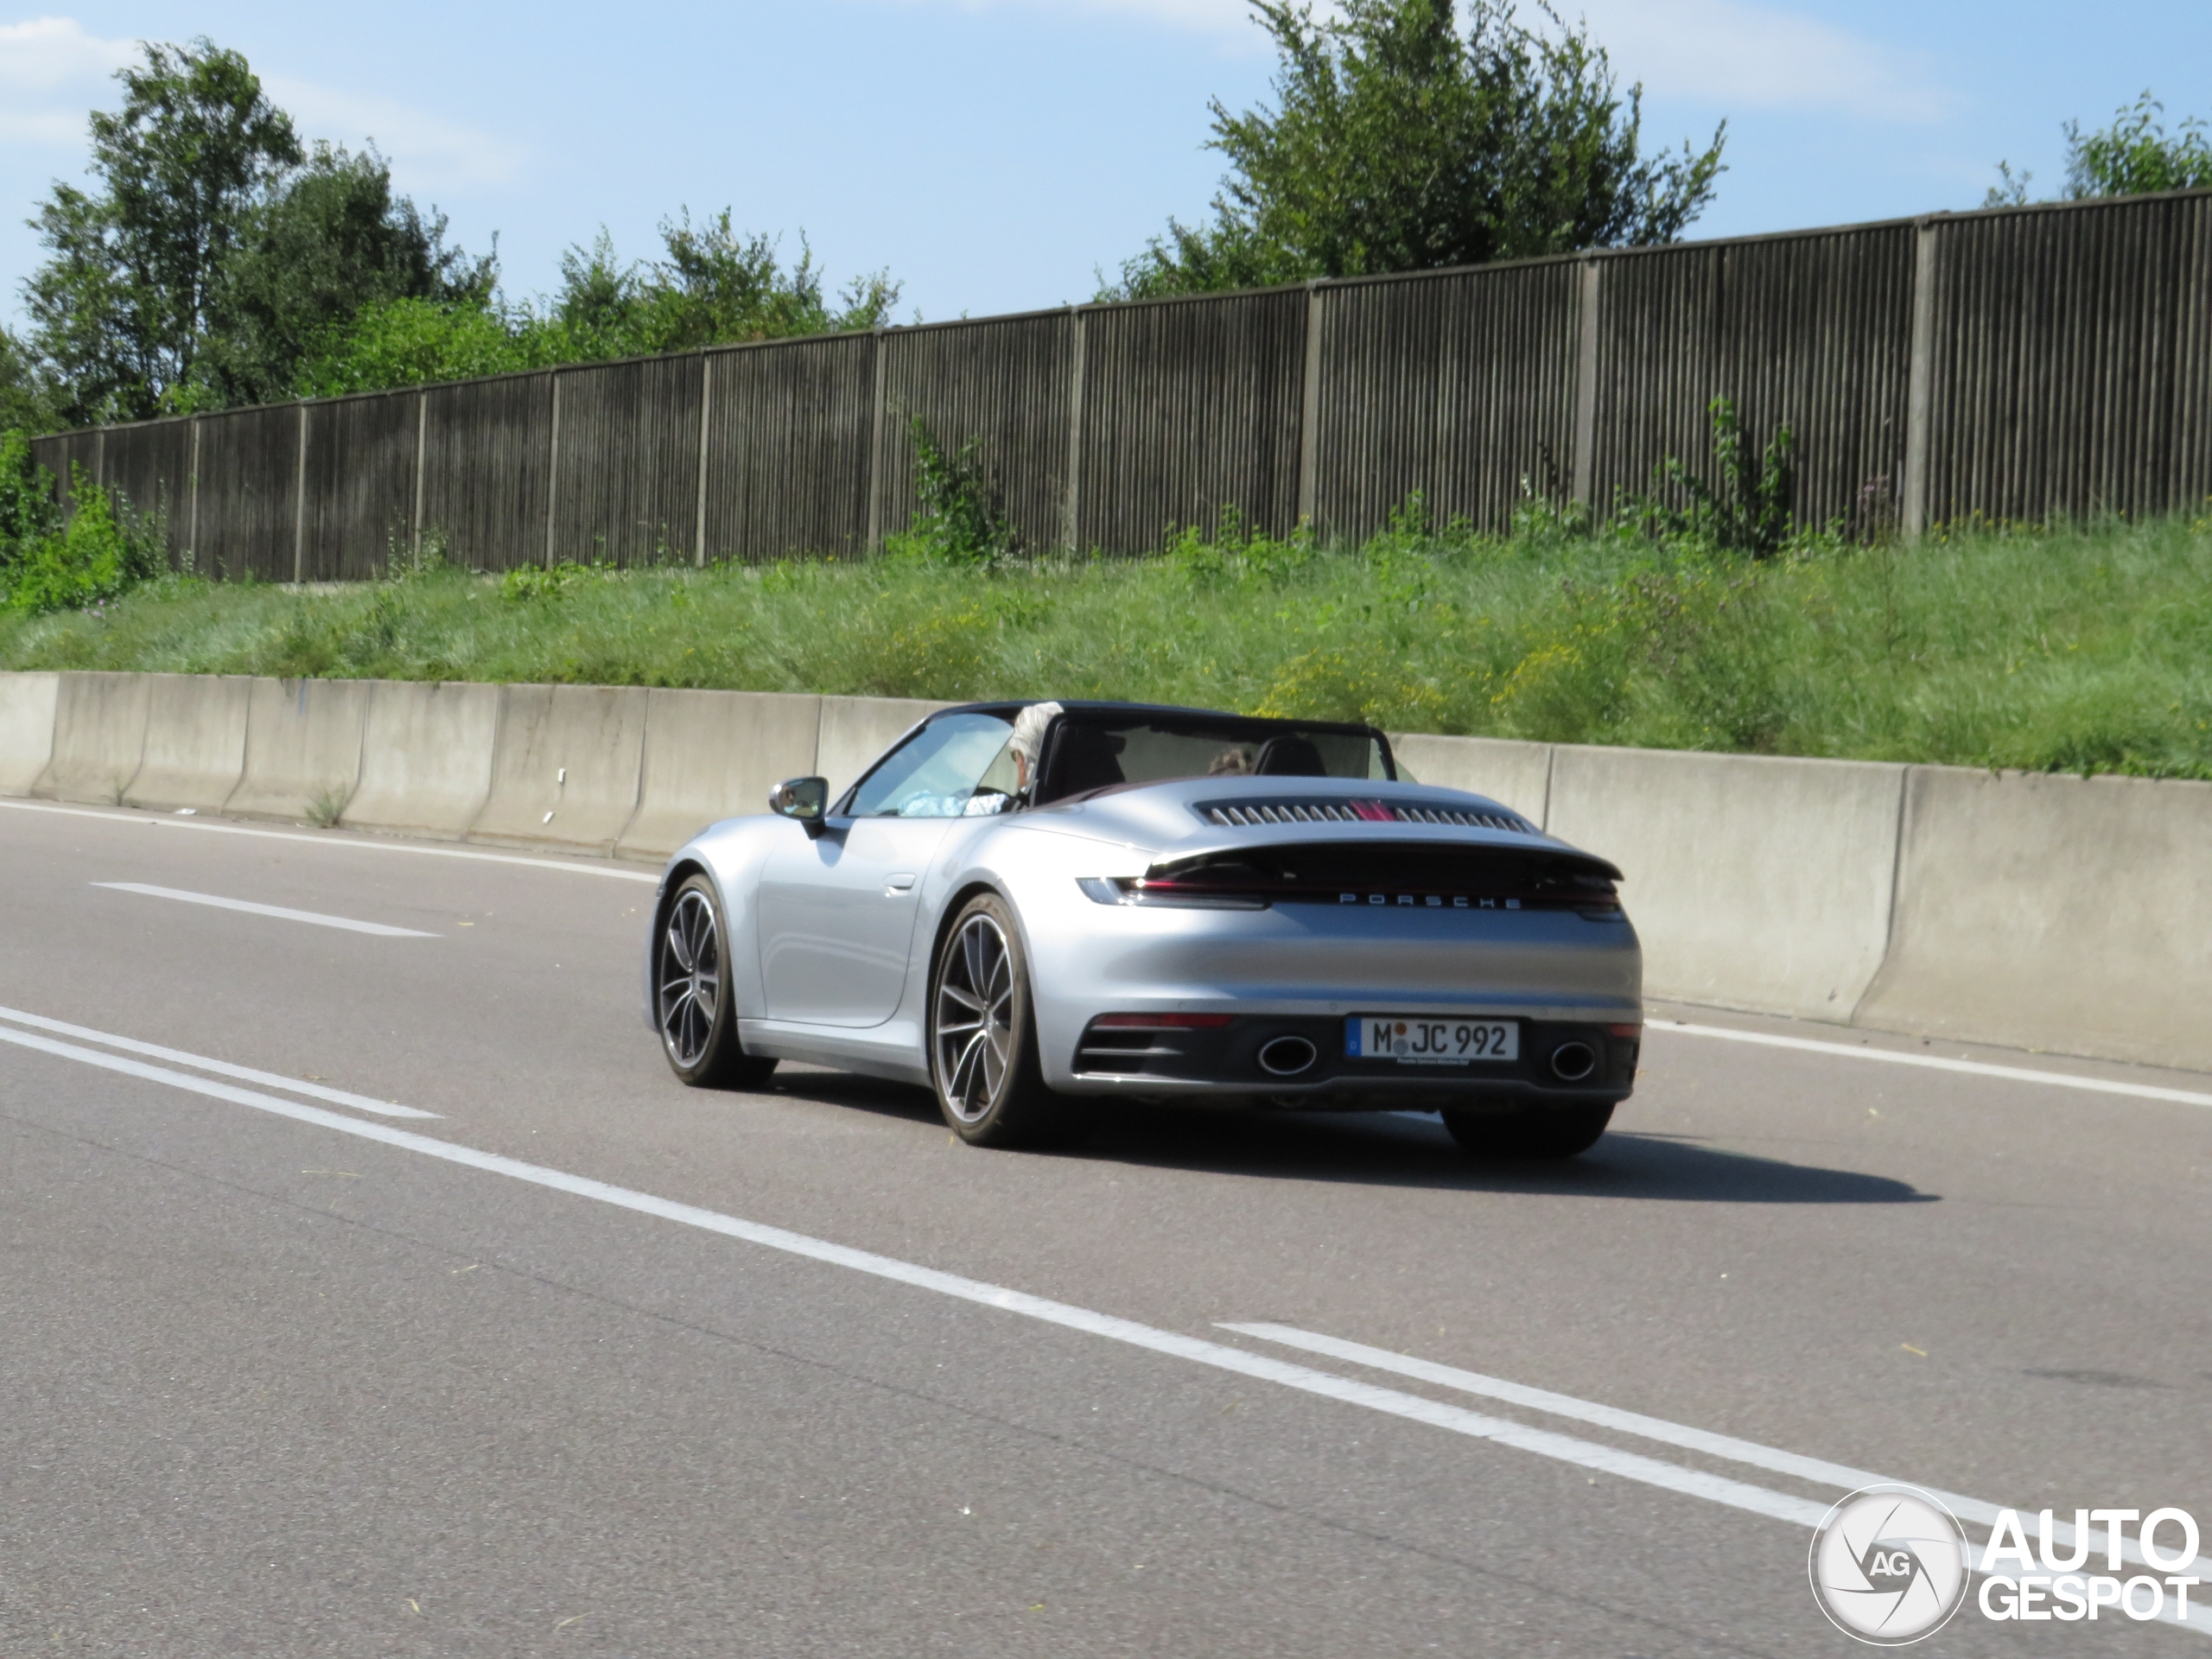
[578, 868]
[1936, 1062]
[1815, 1470]
[222, 1068]
[1587, 1454]
[281, 911]
[250, 908]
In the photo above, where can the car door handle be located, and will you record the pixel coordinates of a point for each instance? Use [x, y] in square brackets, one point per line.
[902, 882]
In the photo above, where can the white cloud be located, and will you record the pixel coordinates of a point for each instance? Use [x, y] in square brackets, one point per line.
[51, 73]
[427, 151]
[1732, 53]
[50, 52]
[1211, 16]
[1231, 21]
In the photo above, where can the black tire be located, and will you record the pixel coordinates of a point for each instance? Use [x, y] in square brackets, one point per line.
[983, 1037]
[1528, 1131]
[692, 1002]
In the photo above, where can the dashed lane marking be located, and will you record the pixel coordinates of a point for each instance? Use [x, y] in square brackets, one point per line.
[575, 867]
[1771, 1458]
[281, 912]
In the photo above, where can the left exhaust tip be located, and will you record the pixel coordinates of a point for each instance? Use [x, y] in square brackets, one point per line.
[1285, 1057]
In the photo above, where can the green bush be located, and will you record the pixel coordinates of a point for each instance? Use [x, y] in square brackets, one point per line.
[962, 519]
[104, 551]
[1746, 507]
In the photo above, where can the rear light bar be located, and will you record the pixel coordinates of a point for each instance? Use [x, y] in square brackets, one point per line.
[1162, 1021]
[1594, 899]
[1168, 895]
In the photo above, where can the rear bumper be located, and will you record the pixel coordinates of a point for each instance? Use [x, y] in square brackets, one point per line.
[1224, 1065]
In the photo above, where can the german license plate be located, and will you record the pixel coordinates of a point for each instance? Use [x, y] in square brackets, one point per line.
[1430, 1039]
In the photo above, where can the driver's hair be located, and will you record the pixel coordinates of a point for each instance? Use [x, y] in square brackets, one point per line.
[1029, 730]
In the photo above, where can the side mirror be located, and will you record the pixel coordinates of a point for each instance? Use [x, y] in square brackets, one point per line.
[806, 799]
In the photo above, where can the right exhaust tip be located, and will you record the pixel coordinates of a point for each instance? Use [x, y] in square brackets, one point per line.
[1571, 1062]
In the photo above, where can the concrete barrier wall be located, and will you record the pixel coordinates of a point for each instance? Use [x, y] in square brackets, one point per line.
[711, 755]
[565, 767]
[302, 749]
[1755, 883]
[854, 730]
[100, 736]
[195, 742]
[1518, 775]
[2051, 912]
[26, 729]
[426, 758]
[2029, 910]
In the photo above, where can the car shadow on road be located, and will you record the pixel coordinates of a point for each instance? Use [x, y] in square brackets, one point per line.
[1386, 1150]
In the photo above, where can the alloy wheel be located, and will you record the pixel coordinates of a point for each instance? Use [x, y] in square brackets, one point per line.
[974, 1036]
[689, 985]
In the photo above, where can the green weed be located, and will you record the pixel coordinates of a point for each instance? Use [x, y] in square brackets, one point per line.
[2079, 649]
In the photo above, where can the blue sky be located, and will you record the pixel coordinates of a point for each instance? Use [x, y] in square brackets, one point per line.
[993, 154]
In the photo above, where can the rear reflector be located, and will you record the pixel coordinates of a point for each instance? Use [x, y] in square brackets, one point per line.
[1626, 1031]
[1163, 1022]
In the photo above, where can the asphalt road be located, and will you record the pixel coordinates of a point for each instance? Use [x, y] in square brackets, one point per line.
[281, 1374]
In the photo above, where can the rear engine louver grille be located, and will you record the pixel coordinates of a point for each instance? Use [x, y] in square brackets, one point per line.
[1241, 813]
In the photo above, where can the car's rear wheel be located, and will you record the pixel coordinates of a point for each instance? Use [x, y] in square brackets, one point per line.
[983, 1037]
[1528, 1131]
[692, 1002]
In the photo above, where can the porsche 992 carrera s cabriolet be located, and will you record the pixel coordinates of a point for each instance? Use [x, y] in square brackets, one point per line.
[1034, 909]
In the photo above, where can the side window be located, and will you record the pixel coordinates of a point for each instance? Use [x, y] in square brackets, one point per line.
[943, 771]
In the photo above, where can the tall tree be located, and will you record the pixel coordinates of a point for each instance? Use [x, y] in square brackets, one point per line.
[1400, 142]
[122, 308]
[25, 400]
[327, 240]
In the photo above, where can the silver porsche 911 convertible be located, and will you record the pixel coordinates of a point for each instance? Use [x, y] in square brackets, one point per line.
[1033, 909]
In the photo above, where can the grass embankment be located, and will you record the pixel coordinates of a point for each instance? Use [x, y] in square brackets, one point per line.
[2086, 650]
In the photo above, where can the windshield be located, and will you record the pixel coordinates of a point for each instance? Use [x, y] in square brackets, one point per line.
[1097, 751]
[956, 767]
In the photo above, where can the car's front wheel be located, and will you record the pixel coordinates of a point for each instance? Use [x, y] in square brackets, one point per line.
[692, 1001]
[983, 1037]
[1564, 1131]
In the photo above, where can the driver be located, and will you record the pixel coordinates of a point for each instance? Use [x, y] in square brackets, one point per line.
[1028, 739]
